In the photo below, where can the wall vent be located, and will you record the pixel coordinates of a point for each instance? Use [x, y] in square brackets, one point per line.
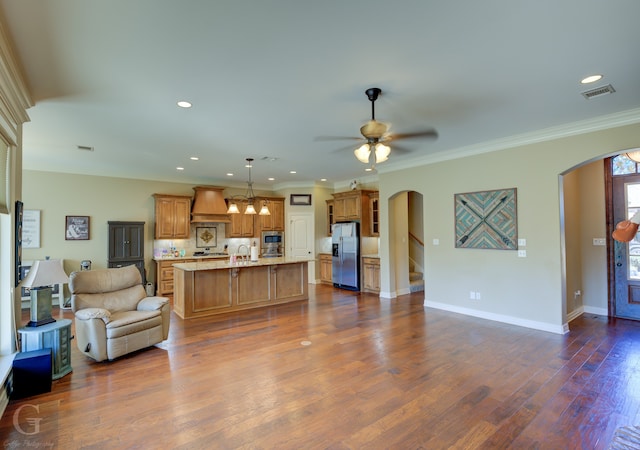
[597, 92]
[85, 148]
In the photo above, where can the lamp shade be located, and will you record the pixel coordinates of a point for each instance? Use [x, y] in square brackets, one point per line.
[264, 211]
[45, 273]
[233, 208]
[250, 209]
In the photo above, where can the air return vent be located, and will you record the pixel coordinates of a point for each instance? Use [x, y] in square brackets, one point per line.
[597, 92]
[86, 148]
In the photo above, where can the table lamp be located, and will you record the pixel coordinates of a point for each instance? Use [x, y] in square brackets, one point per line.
[41, 276]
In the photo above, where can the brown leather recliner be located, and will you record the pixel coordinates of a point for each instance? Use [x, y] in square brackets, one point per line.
[113, 315]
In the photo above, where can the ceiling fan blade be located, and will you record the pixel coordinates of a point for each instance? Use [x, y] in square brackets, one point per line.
[337, 138]
[432, 133]
[401, 150]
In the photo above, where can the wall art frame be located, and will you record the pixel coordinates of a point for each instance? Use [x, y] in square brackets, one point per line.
[300, 199]
[76, 228]
[487, 219]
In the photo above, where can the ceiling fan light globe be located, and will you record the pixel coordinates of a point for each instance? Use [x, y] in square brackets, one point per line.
[382, 152]
[362, 153]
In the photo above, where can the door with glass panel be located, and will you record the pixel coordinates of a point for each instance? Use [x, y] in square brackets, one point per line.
[626, 255]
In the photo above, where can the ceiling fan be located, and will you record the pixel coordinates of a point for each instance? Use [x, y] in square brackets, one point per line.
[376, 135]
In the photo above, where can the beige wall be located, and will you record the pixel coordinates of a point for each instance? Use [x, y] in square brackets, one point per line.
[527, 291]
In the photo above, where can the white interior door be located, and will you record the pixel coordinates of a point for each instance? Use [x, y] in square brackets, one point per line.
[300, 236]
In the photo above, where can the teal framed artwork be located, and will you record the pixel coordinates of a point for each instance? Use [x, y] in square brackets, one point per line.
[487, 219]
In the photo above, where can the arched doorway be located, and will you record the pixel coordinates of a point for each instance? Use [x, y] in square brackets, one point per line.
[406, 242]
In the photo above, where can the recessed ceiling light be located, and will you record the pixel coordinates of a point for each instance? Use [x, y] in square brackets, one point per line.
[179, 168]
[323, 179]
[229, 174]
[591, 79]
[368, 169]
[292, 171]
[194, 158]
[271, 179]
[184, 104]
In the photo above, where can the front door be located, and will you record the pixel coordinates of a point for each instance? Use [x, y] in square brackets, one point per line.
[626, 256]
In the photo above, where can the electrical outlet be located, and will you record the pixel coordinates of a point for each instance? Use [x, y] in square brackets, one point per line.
[472, 295]
[436, 242]
[599, 241]
[522, 242]
[522, 253]
[478, 296]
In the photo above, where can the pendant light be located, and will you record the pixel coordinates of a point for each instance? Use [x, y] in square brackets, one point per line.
[250, 198]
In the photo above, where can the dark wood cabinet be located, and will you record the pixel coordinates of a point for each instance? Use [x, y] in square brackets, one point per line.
[126, 245]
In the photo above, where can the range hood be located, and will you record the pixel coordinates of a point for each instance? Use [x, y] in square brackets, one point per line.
[209, 205]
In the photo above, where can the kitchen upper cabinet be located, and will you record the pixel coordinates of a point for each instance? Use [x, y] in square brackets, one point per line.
[173, 216]
[330, 216]
[273, 222]
[374, 214]
[354, 205]
[242, 225]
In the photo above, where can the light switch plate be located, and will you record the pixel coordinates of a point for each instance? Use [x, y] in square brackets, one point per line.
[599, 241]
[522, 253]
[522, 242]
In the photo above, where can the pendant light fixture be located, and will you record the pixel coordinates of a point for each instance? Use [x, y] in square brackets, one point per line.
[249, 197]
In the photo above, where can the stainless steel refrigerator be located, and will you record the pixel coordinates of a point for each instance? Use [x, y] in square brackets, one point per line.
[345, 247]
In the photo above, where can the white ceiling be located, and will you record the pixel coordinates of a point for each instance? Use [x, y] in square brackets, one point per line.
[268, 77]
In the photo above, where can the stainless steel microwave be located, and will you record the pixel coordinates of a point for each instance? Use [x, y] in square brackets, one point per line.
[272, 244]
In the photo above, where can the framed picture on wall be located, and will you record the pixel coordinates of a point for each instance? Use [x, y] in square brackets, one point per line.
[300, 199]
[76, 228]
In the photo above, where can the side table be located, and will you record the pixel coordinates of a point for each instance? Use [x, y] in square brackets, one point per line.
[57, 337]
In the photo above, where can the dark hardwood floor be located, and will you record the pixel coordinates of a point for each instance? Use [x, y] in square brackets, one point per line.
[375, 374]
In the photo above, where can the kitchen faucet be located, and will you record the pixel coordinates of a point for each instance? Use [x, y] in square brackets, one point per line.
[246, 257]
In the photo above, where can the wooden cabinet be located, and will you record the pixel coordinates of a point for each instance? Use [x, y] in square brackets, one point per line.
[330, 216]
[242, 225]
[326, 268]
[126, 245]
[173, 216]
[164, 275]
[371, 274]
[374, 214]
[273, 222]
[354, 206]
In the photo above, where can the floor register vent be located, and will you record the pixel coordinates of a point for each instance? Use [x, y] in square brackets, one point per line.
[597, 92]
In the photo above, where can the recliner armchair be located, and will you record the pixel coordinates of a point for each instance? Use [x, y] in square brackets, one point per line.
[113, 315]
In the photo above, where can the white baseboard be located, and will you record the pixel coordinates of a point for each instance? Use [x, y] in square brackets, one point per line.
[597, 311]
[542, 326]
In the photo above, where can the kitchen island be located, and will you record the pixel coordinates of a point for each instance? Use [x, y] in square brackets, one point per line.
[204, 288]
